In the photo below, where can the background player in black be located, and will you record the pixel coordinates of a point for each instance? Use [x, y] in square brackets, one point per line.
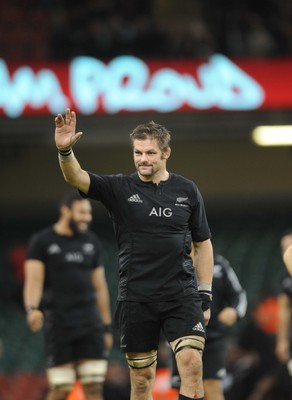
[287, 258]
[65, 289]
[156, 216]
[284, 330]
[229, 303]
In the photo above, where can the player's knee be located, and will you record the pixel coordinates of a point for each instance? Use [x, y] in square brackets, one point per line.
[188, 353]
[145, 361]
[142, 379]
[92, 371]
[189, 343]
[61, 380]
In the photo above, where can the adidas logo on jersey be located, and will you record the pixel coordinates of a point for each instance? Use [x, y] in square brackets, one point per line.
[198, 327]
[135, 199]
[54, 249]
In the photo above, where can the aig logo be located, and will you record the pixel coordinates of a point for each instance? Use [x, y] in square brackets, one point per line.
[74, 257]
[160, 212]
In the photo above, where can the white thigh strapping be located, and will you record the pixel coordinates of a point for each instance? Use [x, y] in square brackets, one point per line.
[62, 377]
[92, 371]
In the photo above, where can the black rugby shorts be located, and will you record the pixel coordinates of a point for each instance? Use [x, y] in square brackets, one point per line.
[62, 348]
[140, 323]
[214, 359]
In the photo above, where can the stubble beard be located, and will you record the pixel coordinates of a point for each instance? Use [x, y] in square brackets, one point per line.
[77, 230]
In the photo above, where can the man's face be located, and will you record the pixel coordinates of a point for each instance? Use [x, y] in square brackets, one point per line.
[80, 216]
[148, 158]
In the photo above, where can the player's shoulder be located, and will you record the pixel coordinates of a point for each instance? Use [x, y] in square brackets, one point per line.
[43, 233]
[111, 179]
[42, 236]
[93, 237]
[182, 180]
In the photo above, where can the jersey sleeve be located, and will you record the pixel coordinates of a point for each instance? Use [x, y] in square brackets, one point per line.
[104, 188]
[35, 249]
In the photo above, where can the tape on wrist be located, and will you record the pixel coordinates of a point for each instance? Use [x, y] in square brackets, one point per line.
[30, 309]
[108, 328]
[65, 157]
[206, 297]
[66, 151]
[205, 286]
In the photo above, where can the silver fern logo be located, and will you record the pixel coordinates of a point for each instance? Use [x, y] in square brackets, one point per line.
[181, 201]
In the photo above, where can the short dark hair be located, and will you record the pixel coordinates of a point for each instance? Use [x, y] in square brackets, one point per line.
[152, 130]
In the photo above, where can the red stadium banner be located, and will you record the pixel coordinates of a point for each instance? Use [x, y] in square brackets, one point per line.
[129, 84]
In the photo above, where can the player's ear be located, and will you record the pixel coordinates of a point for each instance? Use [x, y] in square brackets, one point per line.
[65, 211]
[166, 153]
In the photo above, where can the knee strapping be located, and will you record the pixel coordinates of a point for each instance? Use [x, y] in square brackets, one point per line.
[92, 371]
[189, 343]
[61, 378]
[142, 362]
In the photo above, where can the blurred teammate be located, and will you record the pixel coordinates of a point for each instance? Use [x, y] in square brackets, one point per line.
[66, 291]
[287, 258]
[229, 303]
[284, 332]
[156, 217]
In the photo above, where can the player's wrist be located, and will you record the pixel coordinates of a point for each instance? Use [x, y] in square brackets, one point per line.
[65, 152]
[30, 309]
[108, 328]
[205, 292]
[205, 287]
[65, 156]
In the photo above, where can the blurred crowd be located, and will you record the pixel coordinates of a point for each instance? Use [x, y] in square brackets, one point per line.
[34, 30]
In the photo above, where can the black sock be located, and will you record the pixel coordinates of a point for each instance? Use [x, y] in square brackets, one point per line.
[182, 397]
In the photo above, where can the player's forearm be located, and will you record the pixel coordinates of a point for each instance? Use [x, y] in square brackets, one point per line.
[33, 283]
[103, 304]
[284, 317]
[204, 262]
[32, 294]
[32, 297]
[73, 173]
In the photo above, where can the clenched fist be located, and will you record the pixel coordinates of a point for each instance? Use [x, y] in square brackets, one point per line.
[35, 320]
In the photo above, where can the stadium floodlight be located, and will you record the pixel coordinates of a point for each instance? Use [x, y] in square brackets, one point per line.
[274, 135]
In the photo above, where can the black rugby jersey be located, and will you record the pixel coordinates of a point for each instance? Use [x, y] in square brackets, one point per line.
[227, 292]
[69, 296]
[154, 227]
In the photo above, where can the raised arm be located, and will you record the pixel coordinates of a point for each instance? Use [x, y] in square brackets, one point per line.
[65, 138]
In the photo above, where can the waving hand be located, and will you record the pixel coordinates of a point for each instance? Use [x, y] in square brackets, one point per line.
[65, 136]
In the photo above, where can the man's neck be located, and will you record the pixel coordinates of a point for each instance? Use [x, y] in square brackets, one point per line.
[62, 228]
[157, 178]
